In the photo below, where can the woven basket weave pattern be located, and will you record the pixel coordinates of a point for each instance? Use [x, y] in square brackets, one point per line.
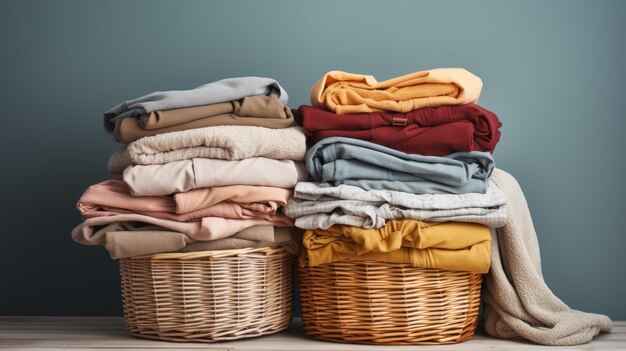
[385, 303]
[208, 296]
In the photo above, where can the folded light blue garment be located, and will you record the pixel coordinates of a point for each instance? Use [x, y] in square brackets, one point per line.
[370, 166]
[212, 93]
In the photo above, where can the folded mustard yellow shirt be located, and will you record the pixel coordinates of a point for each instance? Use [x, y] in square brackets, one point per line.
[452, 246]
[345, 93]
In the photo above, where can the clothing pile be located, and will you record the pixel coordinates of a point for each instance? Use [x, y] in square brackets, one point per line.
[204, 169]
[399, 171]
[402, 172]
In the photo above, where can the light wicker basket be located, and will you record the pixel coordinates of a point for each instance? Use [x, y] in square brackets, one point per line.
[208, 296]
[386, 303]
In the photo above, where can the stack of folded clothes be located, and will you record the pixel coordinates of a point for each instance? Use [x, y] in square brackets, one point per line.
[399, 171]
[205, 169]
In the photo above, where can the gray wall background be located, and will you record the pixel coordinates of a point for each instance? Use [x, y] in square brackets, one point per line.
[552, 70]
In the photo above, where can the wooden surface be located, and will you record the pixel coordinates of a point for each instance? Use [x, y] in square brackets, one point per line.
[108, 333]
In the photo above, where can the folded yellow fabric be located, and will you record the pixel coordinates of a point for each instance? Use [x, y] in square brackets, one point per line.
[346, 93]
[452, 246]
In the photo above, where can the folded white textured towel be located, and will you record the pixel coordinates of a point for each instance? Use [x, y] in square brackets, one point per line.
[220, 142]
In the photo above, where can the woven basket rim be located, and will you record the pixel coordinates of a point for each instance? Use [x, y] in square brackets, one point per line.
[375, 262]
[208, 255]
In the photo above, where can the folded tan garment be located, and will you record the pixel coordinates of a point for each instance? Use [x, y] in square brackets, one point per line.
[220, 142]
[258, 110]
[121, 243]
[284, 237]
[124, 239]
[208, 228]
[181, 176]
[345, 93]
[119, 160]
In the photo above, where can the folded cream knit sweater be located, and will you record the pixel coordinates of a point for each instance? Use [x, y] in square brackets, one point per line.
[220, 142]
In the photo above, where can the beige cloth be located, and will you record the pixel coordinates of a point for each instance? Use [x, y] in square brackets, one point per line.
[518, 303]
[345, 93]
[127, 239]
[182, 176]
[196, 199]
[208, 228]
[283, 237]
[119, 160]
[220, 142]
[257, 110]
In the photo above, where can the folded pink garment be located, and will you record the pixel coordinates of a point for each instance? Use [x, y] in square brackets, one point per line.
[237, 201]
[181, 176]
[229, 210]
[115, 193]
[113, 197]
[208, 228]
[251, 195]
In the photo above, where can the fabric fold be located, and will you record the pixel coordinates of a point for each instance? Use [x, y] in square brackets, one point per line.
[118, 161]
[346, 93]
[228, 210]
[208, 228]
[114, 195]
[339, 160]
[448, 246]
[518, 302]
[258, 110]
[182, 176]
[428, 131]
[220, 142]
[316, 205]
[129, 239]
[228, 89]
[264, 196]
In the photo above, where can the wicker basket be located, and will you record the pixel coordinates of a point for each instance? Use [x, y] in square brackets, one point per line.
[386, 303]
[208, 296]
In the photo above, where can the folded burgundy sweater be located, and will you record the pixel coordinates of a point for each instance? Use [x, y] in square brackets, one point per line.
[436, 131]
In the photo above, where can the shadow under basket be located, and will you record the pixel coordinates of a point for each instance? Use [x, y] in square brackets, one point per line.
[208, 296]
[388, 303]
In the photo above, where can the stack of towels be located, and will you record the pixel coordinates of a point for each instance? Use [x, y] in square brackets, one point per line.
[204, 169]
[399, 171]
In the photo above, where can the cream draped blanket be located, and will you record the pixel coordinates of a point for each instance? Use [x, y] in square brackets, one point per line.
[518, 303]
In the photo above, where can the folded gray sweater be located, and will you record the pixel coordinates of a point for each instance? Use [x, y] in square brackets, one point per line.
[220, 91]
[339, 160]
[320, 205]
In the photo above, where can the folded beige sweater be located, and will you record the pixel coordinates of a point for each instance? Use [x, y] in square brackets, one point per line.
[257, 110]
[518, 303]
[128, 239]
[220, 142]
